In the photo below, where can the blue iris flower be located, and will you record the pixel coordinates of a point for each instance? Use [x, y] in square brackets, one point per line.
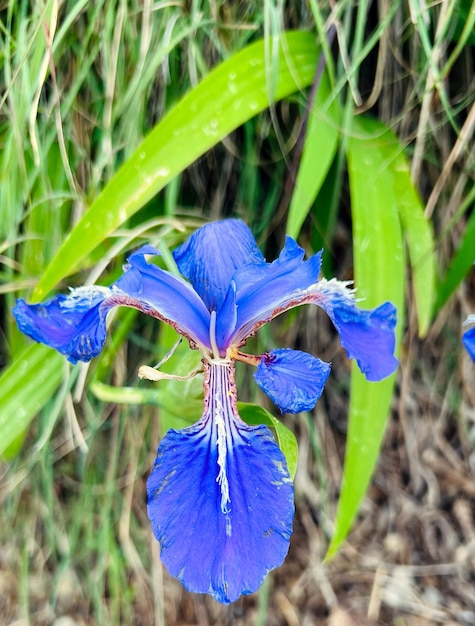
[468, 337]
[220, 497]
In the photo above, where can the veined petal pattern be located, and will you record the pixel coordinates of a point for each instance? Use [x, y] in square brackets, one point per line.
[220, 498]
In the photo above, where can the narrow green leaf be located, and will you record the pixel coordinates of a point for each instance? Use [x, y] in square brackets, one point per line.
[25, 387]
[379, 276]
[417, 228]
[319, 149]
[231, 94]
[460, 265]
[254, 415]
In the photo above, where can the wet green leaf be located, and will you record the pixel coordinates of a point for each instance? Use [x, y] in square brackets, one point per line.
[379, 276]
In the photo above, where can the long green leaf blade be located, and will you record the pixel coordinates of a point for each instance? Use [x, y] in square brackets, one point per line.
[418, 233]
[379, 276]
[460, 264]
[231, 94]
[25, 387]
[319, 149]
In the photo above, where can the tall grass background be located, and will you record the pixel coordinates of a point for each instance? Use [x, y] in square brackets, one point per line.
[348, 125]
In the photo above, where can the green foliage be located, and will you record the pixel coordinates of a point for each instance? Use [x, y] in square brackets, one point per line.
[461, 262]
[25, 387]
[321, 140]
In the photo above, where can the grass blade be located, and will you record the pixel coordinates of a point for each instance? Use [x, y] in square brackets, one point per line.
[231, 94]
[460, 264]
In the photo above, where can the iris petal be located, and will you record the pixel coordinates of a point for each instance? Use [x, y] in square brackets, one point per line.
[367, 335]
[212, 254]
[75, 324]
[166, 296]
[221, 499]
[262, 291]
[468, 339]
[293, 380]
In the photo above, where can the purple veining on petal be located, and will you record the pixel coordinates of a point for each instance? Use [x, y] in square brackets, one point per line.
[367, 335]
[220, 497]
[75, 324]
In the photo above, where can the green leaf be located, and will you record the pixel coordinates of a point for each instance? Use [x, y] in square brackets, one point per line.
[319, 149]
[417, 228]
[180, 401]
[25, 387]
[231, 94]
[254, 415]
[379, 276]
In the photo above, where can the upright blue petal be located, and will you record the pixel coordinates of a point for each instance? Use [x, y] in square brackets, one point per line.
[75, 324]
[163, 295]
[212, 254]
[262, 291]
[220, 498]
[468, 339]
[293, 380]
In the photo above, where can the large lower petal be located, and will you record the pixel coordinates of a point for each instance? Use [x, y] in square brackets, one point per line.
[221, 498]
[75, 324]
[293, 380]
[212, 254]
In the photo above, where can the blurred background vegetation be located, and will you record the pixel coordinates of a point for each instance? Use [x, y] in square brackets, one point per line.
[348, 125]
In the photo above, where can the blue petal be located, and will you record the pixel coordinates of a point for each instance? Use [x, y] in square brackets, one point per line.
[212, 254]
[165, 296]
[468, 339]
[292, 379]
[265, 290]
[75, 324]
[221, 501]
[367, 335]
